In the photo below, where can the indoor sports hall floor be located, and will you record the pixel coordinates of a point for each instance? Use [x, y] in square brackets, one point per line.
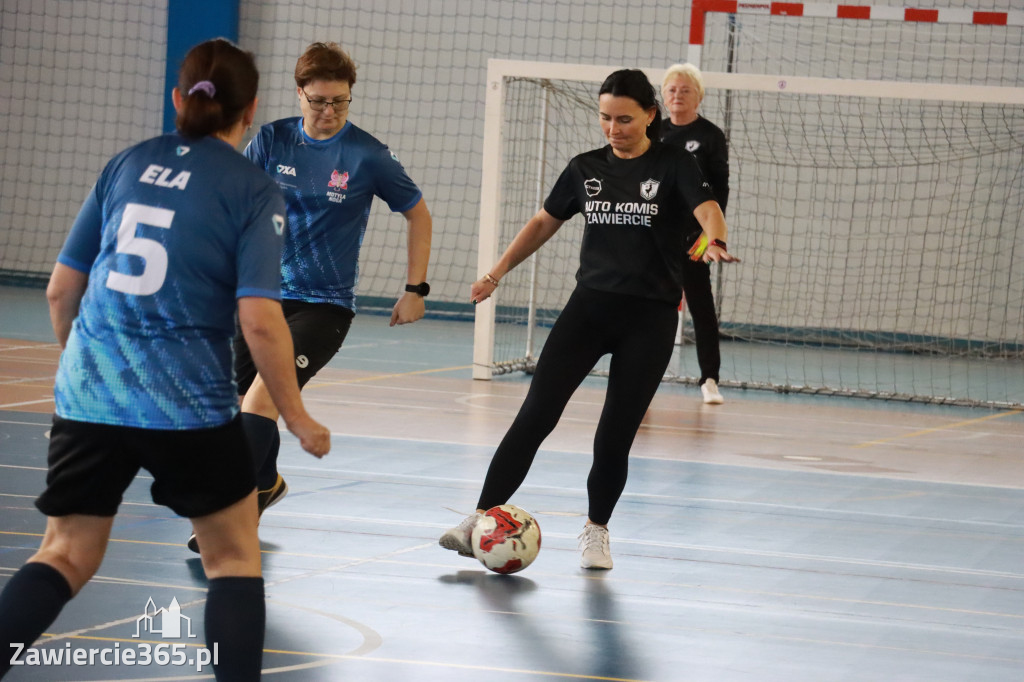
[785, 538]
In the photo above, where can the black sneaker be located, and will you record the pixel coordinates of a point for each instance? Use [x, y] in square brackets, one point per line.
[268, 498]
[264, 499]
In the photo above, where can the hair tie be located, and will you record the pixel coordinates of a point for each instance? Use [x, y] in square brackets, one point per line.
[205, 86]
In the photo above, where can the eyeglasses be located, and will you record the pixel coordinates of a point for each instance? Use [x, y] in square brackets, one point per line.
[321, 104]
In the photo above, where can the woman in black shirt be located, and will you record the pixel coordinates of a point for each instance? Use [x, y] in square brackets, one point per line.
[642, 201]
[682, 90]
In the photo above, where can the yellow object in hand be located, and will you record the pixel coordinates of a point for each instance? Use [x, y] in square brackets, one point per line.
[699, 247]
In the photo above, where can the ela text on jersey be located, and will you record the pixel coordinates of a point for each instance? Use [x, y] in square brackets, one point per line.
[159, 176]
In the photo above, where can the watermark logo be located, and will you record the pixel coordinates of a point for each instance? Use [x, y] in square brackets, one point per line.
[167, 622]
[164, 622]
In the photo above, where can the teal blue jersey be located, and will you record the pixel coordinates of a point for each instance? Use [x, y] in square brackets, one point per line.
[173, 232]
[329, 186]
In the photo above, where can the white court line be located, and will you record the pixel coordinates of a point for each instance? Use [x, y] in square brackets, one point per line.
[703, 503]
[472, 401]
[20, 423]
[123, 503]
[4, 349]
[26, 380]
[139, 475]
[27, 402]
[464, 397]
[706, 549]
[757, 465]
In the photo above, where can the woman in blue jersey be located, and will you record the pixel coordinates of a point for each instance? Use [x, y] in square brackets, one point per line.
[682, 89]
[640, 201]
[330, 170]
[178, 233]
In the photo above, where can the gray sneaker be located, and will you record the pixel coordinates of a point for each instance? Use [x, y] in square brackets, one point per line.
[596, 551]
[459, 537]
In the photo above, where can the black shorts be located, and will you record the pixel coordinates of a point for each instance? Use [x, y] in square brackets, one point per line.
[318, 330]
[195, 472]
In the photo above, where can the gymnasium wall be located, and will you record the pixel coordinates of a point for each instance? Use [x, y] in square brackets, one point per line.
[81, 80]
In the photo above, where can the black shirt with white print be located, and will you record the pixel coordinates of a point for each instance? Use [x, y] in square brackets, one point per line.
[639, 218]
[707, 143]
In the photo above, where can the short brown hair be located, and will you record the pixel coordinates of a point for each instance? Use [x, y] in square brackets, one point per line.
[324, 62]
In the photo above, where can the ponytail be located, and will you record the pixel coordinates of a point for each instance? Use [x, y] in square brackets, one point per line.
[217, 81]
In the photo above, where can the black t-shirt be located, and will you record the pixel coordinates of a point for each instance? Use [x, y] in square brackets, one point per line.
[639, 218]
[706, 141]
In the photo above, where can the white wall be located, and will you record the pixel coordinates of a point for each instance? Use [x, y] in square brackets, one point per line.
[80, 80]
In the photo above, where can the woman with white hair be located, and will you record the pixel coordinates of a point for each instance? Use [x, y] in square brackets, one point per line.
[682, 90]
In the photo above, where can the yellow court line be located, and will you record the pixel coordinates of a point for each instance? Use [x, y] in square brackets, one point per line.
[277, 552]
[373, 659]
[968, 422]
[131, 640]
[133, 542]
[460, 666]
[387, 376]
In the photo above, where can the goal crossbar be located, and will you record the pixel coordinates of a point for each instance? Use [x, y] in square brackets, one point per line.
[504, 206]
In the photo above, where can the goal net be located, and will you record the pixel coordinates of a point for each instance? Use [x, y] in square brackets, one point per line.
[880, 226]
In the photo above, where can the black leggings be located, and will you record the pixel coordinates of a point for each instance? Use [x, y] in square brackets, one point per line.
[701, 304]
[639, 333]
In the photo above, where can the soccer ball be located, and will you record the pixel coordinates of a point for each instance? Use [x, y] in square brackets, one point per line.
[506, 539]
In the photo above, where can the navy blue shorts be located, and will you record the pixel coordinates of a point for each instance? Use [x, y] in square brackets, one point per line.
[318, 330]
[195, 472]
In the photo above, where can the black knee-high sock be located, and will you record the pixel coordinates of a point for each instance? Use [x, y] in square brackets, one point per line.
[265, 443]
[235, 618]
[30, 602]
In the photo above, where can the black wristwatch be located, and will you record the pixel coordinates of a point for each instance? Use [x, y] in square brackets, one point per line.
[422, 288]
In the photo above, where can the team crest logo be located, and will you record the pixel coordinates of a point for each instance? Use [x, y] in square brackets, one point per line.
[338, 180]
[593, 187]
[649, 188]
[182, 150]
[692, 145]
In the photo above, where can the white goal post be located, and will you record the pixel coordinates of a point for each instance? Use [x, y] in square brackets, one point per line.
[548, 94]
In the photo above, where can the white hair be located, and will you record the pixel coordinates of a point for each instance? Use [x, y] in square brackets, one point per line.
[686, 71]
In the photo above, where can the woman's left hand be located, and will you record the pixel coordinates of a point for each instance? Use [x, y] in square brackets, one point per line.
[715, 253]
[482, 289]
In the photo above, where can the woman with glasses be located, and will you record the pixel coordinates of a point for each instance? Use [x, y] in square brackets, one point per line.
[639, 201]
[178, 233]
[330, 170]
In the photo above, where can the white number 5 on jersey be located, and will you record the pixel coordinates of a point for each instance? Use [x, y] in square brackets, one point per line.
[151, 251]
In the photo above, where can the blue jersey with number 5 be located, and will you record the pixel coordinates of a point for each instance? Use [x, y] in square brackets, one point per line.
[174, 231]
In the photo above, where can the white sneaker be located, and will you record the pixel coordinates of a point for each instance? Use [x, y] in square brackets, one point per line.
[459, 537]
[710, 391]
[594, 543]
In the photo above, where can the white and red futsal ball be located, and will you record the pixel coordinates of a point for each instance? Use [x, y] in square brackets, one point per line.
[506, 539]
